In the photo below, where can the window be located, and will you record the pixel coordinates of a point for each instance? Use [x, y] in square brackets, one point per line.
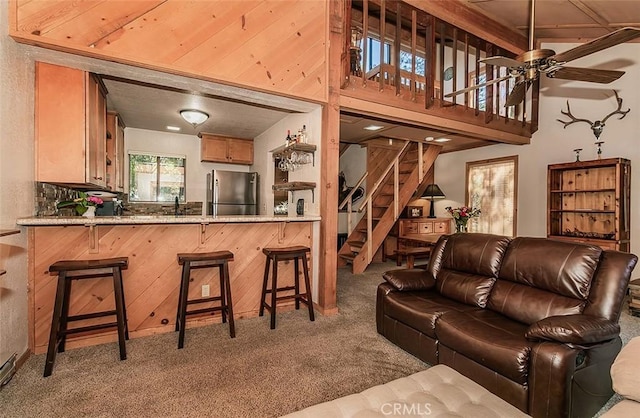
[492, 187]
[156, 178]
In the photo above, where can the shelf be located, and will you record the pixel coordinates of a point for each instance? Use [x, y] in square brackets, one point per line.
[5, 232]
[295, 185]
[284, 151]
[3, 272]
[574, 237]
[582, 191]
[582, 211]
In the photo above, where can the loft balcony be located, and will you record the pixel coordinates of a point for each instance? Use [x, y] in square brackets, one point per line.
[420, 59]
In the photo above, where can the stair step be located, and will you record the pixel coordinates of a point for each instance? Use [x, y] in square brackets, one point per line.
[356, 244]
[347, 257]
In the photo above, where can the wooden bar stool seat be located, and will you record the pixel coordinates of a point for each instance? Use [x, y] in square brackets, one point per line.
[190, 261]
[275, 255]
[68, 271]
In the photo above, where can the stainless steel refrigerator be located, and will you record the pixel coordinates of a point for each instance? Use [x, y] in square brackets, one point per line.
[232, 193]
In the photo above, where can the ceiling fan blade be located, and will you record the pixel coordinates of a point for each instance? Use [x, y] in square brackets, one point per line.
[478, 86]
[502, 61]
[611, 39]
[517, 93]
[586, 74]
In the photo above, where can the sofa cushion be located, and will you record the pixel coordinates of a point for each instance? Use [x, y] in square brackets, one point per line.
[560, 267]
[469, 264]
[624, 371]
[409, 279]
[529, 290]
[574, 329]
[489, 339]
[421, 310]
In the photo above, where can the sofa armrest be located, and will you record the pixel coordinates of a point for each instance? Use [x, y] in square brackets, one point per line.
[410, 279]
[574, 329]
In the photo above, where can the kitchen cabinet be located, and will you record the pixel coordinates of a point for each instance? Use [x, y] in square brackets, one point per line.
[70, 127]
[115, 152]
[590, 202]
[225, 149]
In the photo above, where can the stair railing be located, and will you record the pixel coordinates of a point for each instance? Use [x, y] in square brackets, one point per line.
[395, 165]
[349, 203]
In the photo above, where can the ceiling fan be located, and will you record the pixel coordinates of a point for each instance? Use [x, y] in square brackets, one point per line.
[527, 67]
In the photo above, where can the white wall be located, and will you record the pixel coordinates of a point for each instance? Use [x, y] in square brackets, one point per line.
[177, 144]
[354, 164]
[263, 161]
[16, 186]
[553, 144]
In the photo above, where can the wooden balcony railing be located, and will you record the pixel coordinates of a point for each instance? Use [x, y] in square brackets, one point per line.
[405, 53]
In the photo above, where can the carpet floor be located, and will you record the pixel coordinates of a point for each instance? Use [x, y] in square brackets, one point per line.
[260, 373]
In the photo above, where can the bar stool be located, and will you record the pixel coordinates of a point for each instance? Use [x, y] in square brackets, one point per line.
[282, 254]
[71, 270]
[190, 261]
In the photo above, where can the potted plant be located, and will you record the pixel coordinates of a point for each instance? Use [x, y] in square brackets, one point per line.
[84, 204]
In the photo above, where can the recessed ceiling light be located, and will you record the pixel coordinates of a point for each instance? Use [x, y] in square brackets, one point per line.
[429, 139]
[173, 128]
[442, 140]
[373, 127]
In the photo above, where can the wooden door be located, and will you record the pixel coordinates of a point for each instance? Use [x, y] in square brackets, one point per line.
[213, 149]
[119, 155]
[240, 151]
[95, 161]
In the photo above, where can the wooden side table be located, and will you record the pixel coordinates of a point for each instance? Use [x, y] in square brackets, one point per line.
[411, 254]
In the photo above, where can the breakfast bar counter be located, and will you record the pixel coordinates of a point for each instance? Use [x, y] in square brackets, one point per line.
[151, 282]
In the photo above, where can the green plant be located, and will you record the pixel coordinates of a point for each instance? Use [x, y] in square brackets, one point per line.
[81, 203]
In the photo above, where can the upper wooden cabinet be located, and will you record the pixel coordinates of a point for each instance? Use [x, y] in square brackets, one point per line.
[70, 112]
[225, 149]
[115, 152]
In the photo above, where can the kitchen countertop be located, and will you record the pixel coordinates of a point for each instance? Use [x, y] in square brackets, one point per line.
[158, 219]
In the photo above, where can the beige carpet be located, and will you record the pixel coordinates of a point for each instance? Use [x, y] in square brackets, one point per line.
[260, 373]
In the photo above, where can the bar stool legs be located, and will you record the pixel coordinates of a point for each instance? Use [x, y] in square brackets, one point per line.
[191, 261]
[296, 254]
[85, 269]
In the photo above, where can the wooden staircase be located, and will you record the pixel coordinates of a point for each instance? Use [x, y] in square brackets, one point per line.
[384, 203]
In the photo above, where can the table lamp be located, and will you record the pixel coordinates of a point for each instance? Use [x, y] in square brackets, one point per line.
[432, 192]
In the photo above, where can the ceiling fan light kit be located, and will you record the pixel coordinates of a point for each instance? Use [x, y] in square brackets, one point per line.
[527, 67]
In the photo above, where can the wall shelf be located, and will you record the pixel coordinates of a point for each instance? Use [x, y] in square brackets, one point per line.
[284, 151]
[296, 185]
[5, 232]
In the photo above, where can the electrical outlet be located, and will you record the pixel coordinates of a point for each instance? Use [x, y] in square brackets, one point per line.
[205, 291]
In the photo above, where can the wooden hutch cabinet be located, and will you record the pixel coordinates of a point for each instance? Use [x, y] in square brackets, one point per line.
[589, 202]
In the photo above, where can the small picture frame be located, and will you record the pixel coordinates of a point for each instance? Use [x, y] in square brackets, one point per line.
[414, 211]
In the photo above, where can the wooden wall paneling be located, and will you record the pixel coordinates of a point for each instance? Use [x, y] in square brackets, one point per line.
[241, 43]
[152, 279]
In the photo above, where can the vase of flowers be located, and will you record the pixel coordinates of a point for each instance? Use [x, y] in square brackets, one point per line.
[462, 215]
[84, 204]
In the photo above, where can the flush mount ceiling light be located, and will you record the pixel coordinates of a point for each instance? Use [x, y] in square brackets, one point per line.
[373, 127]
[173, 128]
[194, 117]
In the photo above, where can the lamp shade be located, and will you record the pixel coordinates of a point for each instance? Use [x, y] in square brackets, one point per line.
[194, 117]
[433, 192]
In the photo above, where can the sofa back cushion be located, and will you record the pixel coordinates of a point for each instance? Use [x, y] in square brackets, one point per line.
[541, 277]
[466, 266]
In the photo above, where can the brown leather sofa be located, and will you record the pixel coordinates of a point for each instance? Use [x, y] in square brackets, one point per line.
[533, 320]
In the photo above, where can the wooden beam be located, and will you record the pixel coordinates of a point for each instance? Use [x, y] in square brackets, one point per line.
[464, 17]
[592, 14]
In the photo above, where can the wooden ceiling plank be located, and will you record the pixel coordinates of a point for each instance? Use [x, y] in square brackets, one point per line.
[582, 6]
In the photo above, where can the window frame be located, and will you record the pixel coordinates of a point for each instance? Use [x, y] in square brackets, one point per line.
[511, 158]
[158, 156]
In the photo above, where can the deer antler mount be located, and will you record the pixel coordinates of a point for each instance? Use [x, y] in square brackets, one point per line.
[597, 126]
